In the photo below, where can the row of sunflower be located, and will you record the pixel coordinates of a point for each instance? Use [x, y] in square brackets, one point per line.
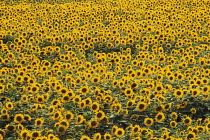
[112, 69]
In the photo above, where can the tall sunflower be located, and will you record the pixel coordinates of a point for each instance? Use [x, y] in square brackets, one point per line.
[159, 117]
[120, 132]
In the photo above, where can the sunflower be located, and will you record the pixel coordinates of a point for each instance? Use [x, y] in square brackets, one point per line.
[58, 87]
[130, 103]
[35, 134]
[88, 101]
[107, 136]
[85, 138]
[84, 90]
[174, 116]
[65, 98]
[200, 129]
[187, 120]
[135, 63]
[77, 99]
[9, 105]
[190, 136]
[99, 115]
[27, 118]
[173, 124]
[141, 106]
[40, 99]
[128, 92]
[68, 115]
[184, 104]
[34, 88]
[94, 106]
[116, 107]
[63, 91]
[51, 109]
[4, 117]
[180, 77]
[39, 122]
[97, 136]
[4, 111]
[57, 115]
[206, 89]
[136, 129]
[61, 129]
[115, 83]
[93, 123]
[178, 93]
[167, 107]
[120, 132]
[71, 94]
[159, 108]
[159, 117]
[50, 135]
[24, 133]
[134, 85]
[114, 129]
[171, 78]
[193, 110]
[148, 121]
[82, 104]
[20, 127]
[95, 79]
[159, 88]
[10, 127]
[19, 118]
[195, 92]
[24, 98]
[19, 79]
[80, 119]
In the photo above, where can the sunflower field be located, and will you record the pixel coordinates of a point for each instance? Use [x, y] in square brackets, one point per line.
[104, 69]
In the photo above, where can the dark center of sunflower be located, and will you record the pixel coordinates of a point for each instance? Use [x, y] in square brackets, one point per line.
[55, 102]
[66, 98]
[84, 90]
[141, 106]
[79, 119]
[99, 115]
[94, 107]
[40, 99]
[159, 108]
[136, 129]
[56, 115]
[24, 134]
[11, 128]
[159, 117]
[129, 103]
[158, 88]
[68, 116]
[189, 136]
[34, 89]
[35, 134]
[173, 124]
[61, 129]
[119, 132]
[63, 91]
[95, 80]
[187, 121]
[19, 118]
[93, 123]
[149, 121]
[178, 92]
